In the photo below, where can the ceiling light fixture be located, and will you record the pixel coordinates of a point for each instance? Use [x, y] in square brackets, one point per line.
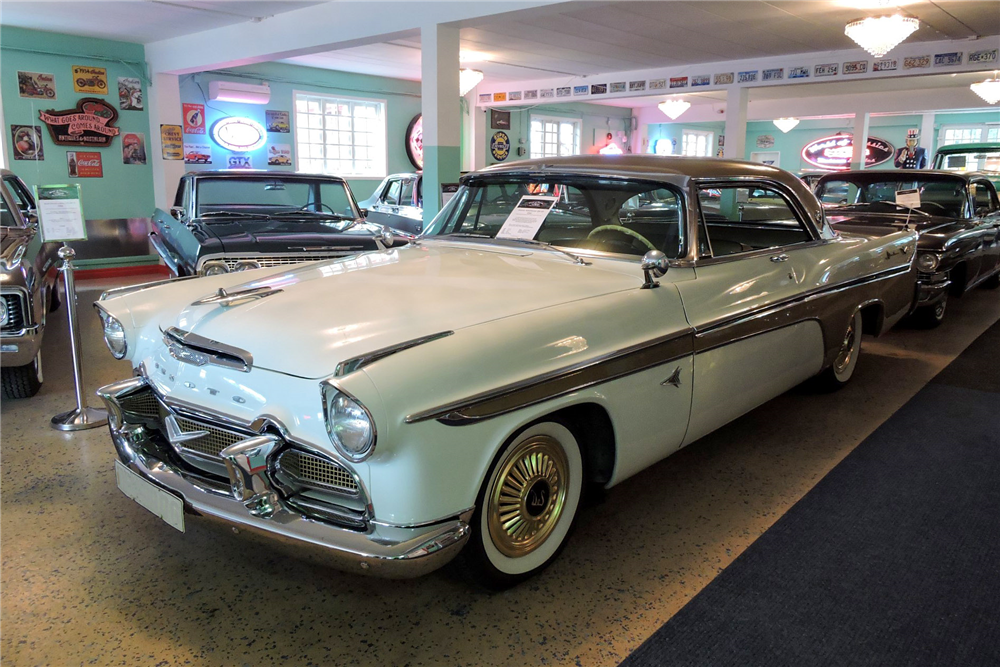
[880, 34]
[472, 56]
[989, 89]
[467, 80]
[786, 124]
[674, 107]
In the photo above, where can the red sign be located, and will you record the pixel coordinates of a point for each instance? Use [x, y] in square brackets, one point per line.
[91, 123]
[194, 118]
[84, 165]
[835, 152]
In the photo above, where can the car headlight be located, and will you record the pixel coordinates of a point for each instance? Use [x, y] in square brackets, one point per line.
[246, 265]
[114, 335]
[3, 312]
[215, 267]
[928, 262]
[349, 424]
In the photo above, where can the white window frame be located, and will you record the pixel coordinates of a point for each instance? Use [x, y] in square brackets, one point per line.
[983, 128]
[577, 131]
[380, 170]
[689, 137]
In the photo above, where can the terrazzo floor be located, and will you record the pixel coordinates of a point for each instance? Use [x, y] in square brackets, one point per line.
[90, 578]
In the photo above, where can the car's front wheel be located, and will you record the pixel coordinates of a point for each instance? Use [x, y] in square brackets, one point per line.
[930, 317]
[22, 381]
[527, 505]
[842, 370]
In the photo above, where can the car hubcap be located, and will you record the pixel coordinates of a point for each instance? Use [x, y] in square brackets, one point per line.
[846, 349]
[528, 496]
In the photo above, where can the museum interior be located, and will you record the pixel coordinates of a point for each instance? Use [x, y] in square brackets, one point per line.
[583, 312]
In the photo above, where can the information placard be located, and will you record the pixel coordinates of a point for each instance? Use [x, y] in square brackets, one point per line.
[908, 198]
[60, 213]
[526, 218]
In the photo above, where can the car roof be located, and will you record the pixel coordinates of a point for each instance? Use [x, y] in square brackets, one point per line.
[641, 165]
[962, 148]
[259, 173]
[901, 174]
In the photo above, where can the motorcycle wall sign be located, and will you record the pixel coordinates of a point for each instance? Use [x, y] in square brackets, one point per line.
[90, 123]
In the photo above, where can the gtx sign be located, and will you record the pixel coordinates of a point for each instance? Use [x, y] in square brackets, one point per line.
[835, 152]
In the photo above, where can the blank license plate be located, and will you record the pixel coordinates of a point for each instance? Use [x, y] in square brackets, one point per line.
[165, 505]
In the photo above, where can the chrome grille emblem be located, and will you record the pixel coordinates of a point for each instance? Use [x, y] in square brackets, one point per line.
[185, 354]
[176, 436]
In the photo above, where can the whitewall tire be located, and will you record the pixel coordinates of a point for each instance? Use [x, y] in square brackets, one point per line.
[527, 505]
[842, 370]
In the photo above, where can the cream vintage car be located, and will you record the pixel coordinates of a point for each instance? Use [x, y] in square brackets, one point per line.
[564, 323]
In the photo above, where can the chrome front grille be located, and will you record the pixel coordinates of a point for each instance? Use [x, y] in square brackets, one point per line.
[317, 472]
[141, 404]
[267, 261]
[15, 312]
[211, 444]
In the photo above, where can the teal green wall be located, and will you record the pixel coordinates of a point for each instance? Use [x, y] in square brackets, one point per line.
[674, 132]
[402, 104]
[597, 121]
[125, 191]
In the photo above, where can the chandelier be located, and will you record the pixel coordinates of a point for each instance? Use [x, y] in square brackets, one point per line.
[989, 89]
[880, 34]
[674, 107]
[467, 80]
[786, 124]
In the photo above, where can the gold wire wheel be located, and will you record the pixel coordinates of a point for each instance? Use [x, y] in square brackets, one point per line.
[847, 349]
[528, 494]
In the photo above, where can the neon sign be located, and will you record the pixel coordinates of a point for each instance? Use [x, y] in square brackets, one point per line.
[835, 152]
[239, 134]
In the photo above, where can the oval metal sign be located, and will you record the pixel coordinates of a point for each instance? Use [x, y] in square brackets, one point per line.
[835, 152]
[500, 146]
[239, 134]
[415, 141]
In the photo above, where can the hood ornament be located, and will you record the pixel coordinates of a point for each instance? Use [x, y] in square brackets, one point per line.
[226, 299]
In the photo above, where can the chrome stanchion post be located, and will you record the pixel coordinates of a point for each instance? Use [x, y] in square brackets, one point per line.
[82, 417]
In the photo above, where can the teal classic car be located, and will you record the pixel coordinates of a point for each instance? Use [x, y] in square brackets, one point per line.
[981, 157]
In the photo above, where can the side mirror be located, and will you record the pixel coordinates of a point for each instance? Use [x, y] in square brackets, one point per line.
[654, 264]
[177, 213]
[364, 213]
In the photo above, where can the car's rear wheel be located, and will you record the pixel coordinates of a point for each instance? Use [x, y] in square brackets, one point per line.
[527, 505]
[842, 369]
[992, 282]
[929, 317]
[22, 381]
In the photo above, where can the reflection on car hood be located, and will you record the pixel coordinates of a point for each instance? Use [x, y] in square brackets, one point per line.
[282, 234]
[891, 221]
[327, 312]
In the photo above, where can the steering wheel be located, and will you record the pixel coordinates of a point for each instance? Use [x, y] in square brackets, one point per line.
[622, 230]
[322, 206]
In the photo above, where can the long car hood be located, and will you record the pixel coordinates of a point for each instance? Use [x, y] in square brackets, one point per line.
[254, 235]
[332, 311]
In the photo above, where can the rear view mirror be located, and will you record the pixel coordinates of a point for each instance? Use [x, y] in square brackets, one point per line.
[364, 213]
[177, 212]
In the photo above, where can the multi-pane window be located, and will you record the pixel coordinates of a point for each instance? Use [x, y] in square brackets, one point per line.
[552, 137]
[340, 136]
[697, 143]
[962, 135]
[994, 134]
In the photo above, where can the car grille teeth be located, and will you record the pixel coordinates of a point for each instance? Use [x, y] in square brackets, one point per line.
[211, 444]
[266, 261]
[317, 472]
[15, 313]
[141, 404]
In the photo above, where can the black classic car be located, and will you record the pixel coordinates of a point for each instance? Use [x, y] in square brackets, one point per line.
[397, 202]
[28, 279]
[956, 215]
[226, 221]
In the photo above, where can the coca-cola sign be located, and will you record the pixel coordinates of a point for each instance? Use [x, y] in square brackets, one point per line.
[84, 165]
[90, 124]
[835, 152]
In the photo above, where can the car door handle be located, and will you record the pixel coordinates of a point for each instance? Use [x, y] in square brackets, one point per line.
[780, 258]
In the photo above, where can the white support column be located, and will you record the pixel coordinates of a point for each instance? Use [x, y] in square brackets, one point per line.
[439, 67]
[861, 121]
[164, 97]
[473, 120]
[928, 139]
[736, 123]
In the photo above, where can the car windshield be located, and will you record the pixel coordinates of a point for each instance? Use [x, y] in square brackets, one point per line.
[938, 196]
[8, 218]
[977, 160]
[275, 196]
[616, 216]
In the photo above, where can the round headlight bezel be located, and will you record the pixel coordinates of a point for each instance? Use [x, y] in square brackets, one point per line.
[4, 313]
[220, 266]
[340, 408]
[931, 264]
[246, 265]
[113, 325]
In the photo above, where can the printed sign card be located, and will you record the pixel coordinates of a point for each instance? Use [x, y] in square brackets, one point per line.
[194, 118]
[526, 218]
[36, 85]
[90, 80]
[60, 213]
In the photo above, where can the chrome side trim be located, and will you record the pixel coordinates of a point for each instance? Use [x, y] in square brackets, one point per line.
[194, 349]
[547, 386]
[122, 291]
[350, 365]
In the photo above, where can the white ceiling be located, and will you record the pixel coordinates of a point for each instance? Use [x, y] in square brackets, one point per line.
[142, 22]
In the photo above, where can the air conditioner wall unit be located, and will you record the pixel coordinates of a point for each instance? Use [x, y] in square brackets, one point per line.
[247, 93]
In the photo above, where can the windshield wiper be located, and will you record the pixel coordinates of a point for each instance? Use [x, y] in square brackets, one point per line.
[313, 214]
[236, 214]
[548, 246]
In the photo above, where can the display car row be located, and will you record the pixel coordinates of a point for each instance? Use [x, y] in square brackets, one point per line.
[560, 325]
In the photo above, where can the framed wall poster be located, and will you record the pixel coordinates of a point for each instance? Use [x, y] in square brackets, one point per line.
[84, 165]
[279, 155]
[36, 85]
[171, 142]
[197, 154]
[277, 121]
[60, 213]
[134, 148]
[499, 120]
[129, 94]
[770, 158]
[91, 80]
[194, 118]
[26, 142]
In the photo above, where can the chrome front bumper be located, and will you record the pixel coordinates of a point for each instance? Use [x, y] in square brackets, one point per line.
[27, 341]
[931, 289]
[377, 549]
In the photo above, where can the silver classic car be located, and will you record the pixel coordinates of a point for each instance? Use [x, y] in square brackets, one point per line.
[563, 324]
[28, 290]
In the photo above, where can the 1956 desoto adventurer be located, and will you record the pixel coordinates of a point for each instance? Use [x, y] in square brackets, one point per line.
[564, 323]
